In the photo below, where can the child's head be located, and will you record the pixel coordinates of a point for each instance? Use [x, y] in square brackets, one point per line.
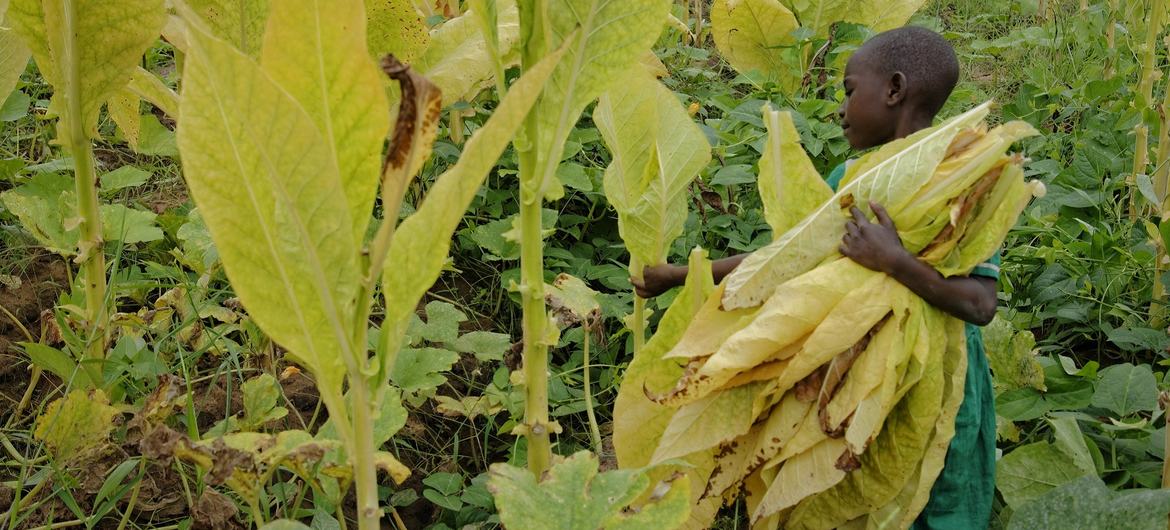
[895, 84]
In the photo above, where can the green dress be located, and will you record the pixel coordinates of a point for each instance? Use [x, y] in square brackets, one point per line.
[962, 496]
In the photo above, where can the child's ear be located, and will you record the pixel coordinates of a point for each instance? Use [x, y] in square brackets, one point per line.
[896, 89]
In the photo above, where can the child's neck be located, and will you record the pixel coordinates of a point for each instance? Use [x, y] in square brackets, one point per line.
[910, 123]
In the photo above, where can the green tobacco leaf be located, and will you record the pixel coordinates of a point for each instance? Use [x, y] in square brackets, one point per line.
[260, 397]
[657, 151]
[128, 225]
[485, 345]
[604, 38]
[420, 370]
[14, 57]
[1126, 389]
[316, 51]
[1070, 441]
[76, 425]
[269, 192]
[393, 26]
[103, 40]
[790, 186]
[1087, 504]
[421, 243]
[752, 34]
[1010, 353]
[41, 204]
[441, 327]
[891, 175]
[458, 59]
[239, 22]
[124, 177]
[1031, 470]
[156, 139]
[574, 496]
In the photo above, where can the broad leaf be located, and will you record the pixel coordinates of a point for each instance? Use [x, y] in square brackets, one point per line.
[657, 151]
[14, 57]
[820, 15]
[239, 22]
[891, 176]
[458, 58]
[1010, 353]
[422, 241]
[575, 496]
[128, 225]
[394, 27]
[790, 186]
[1029, 471]
[150, 88]
[267, 186]
[1126, 389]
[752, 36]
[104, 41]
[603, 39]
[1087, 504]
[316, 51]
[77, 425]
[122, 108]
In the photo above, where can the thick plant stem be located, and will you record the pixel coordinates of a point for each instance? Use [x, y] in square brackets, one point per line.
[91, 256]
[364, 473]
[638, 326]
[1110, 40]
[535, 323]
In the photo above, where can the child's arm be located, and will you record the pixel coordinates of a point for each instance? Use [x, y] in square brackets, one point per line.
[660, 278]
[877, 246]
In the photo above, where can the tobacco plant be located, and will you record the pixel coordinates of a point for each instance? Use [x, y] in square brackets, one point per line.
[657, 151]
[283, 162]
[86, 49]
[599, 40]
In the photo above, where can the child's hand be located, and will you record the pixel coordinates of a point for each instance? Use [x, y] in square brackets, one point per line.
[875, 246]
[656, 280]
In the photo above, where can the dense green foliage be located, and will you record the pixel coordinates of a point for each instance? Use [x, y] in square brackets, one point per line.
[1079, 350]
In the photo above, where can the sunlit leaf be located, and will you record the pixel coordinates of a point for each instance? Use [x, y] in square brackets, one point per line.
[790, 187]
[316, 51]
[752, 36]
[268, 188]
[105, 40]
[239, 22]
[657, 152]
[604, 38]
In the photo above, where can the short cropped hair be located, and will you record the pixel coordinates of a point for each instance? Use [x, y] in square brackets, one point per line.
[926, 59]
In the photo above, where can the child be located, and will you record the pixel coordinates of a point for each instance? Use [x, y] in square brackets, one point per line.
[895, 84]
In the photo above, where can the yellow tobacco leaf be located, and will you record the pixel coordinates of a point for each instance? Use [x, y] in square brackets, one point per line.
[790, 186]
[86, 47]
[752, 36]
[76, 425]
[316, 51]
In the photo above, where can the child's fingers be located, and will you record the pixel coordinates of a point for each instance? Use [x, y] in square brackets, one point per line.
[858, 217]
[882, 215]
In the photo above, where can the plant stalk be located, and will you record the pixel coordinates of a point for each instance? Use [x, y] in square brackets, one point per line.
[91, 256]
[638, 326]
[535, 322]
[364, 473]
[594, 430]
